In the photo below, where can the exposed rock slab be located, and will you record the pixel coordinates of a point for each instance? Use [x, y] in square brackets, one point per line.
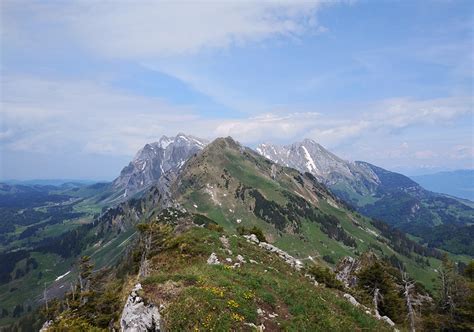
[137, 316]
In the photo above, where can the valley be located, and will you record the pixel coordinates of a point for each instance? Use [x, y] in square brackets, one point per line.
[233, 191]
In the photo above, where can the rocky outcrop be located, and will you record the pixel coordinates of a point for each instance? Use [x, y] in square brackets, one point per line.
[46, 326]
[290, 260]
[347, 268]
[213, 260]
[355, 303]
[138, 316]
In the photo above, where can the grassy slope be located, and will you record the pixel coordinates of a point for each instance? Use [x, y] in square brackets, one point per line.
[205, 297]
[201, 297]
[209, 194]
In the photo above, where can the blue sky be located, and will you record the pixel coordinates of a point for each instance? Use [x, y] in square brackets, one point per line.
[85, 84]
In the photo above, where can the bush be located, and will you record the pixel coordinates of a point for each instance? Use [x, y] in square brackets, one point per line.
[254, 230]
[215, 228]
[325, 276]
[201, 219]
[328, 259]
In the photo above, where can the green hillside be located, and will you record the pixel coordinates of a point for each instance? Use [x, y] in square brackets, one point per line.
[250, 288]
[237, 187]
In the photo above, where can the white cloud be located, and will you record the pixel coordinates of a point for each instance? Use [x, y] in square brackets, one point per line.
[403, 112]
[47, 115]
[378, 121]
[148, 29]
[267, 127]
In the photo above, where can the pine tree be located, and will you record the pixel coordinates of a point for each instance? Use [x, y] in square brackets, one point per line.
[455, 305]
[376, 282]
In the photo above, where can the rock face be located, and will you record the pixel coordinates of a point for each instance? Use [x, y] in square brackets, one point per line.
[290, 260]
[309, 156]
[138, 316]
[167, 155]
[347, 268]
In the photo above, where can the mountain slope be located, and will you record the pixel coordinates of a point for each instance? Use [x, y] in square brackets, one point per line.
[236, 187]
[242, 288]
[376, 192]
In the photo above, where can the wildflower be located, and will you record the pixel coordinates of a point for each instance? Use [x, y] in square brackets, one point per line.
[249, 295]
[237, 317]
[232, 304]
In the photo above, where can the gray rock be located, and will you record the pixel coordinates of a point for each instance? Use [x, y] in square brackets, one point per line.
[352, 300]
[167, 155]
[46, 326]
[293, 262]
[241, 259]
[252, 238]
[387, 320]
[213, 260]
[309, 156]
[138, 316]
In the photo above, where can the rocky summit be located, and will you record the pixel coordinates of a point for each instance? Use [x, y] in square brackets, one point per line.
[155, 159]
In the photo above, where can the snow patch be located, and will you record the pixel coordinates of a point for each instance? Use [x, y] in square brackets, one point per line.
[62, 276]
[310, 165]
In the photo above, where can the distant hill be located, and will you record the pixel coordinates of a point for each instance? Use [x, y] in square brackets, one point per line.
[48, 182]
[458, 183]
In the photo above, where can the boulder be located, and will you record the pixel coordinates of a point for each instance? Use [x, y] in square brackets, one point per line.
[213, 260]
[138, 316]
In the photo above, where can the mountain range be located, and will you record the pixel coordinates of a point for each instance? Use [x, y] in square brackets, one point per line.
[373, 191]
[182, 184]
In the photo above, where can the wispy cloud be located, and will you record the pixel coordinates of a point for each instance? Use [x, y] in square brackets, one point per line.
[39, 115]
[150, 29]
[44, 115]
[384, 117]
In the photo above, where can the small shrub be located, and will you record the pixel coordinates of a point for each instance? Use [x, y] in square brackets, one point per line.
[215, 228]
[325, 276]
[254, 230]
[328, 259]
[201, 219]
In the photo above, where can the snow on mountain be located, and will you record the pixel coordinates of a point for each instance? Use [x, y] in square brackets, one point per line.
[155, 159]
[309, 156]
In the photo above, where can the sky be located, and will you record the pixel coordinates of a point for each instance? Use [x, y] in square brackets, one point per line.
[84, 84]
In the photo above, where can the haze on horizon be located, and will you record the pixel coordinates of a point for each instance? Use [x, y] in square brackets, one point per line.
[85, 84]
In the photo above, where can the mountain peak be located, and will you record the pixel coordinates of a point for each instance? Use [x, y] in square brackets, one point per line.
[309, 156]
[224, 142]
[167, 155]
[309, 141]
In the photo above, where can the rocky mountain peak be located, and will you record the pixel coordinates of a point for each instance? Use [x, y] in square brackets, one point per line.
[306, 156]
[168, 154]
